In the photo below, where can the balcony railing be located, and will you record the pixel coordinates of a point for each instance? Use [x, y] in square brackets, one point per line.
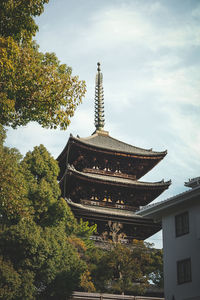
[98, 296]
[108, 204]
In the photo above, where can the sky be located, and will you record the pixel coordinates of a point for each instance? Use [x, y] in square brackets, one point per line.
[149, 52]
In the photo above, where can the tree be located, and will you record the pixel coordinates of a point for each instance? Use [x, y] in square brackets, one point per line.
[128, 269]
[43, 263]
[41, 171]
[156, 269]
[17, 18]
[127, 273]
[14, 203]
[36, 87]
[97, 260]
[33, 86]
[42, 246]
[9, 280]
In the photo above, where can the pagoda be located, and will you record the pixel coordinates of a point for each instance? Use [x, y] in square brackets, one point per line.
[99, 178]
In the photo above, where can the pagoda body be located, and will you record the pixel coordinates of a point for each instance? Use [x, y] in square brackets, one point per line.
[99, 178]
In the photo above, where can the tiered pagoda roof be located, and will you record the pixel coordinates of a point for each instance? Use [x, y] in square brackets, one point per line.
[99, 178]
[104, 144]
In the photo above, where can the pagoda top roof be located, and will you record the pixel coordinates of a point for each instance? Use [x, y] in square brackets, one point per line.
[119, 180]
[102, 140]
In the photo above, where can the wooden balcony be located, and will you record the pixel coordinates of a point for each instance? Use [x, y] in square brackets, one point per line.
[109, 173]
[98, 296]
[108, 204]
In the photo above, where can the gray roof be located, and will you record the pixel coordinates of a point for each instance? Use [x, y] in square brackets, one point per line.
[119, 180]
[102, 139]
[104, 210]
[158, 209]
[192, 183]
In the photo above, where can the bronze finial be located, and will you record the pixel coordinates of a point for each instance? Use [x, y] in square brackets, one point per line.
[98, 67]
[99, 100]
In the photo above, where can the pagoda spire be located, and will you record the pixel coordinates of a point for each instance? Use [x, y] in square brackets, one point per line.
[99, 120]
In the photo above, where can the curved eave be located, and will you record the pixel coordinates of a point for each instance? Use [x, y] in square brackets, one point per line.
[136, 152]
[63, 154]
[105, 211]
[128, 218]
[118, 180]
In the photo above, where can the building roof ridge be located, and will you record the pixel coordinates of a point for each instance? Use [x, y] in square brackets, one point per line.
[115, 143]
[169, 200]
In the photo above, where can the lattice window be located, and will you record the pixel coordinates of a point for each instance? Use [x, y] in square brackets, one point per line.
[184, 273]
[182, 224]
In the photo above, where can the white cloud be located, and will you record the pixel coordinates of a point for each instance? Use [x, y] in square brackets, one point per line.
[196, 13]
[113, 26]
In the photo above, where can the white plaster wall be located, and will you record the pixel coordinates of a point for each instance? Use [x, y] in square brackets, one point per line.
[186, 246]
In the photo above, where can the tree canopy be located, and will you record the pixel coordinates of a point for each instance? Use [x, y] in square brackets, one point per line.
[34, 86]
[45, 252]
[17, 18]
[42, 246]
[42, 260]
[128, 269]
[13, 190]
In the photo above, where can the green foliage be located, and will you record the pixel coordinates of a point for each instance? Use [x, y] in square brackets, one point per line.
[125, 269]
[13, 193]
[36, 87]
[84, 231]
[2, 136]
[60, 212]
[156, 269]
[43, 260]
[44, 252]
[40, 256]
[41, 172]
[98, 266]
[17, 18]
[9, 280]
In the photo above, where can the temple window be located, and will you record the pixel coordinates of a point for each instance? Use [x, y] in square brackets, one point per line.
[120, 201]
[118, 168]
[182, 224]
[107, 198]
[94, 197]
[184, 273]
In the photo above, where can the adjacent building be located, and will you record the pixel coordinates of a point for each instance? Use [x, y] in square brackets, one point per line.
[99, 178]
[180, 217]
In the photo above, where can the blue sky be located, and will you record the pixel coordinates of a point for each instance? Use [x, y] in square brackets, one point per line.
[150, 57]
